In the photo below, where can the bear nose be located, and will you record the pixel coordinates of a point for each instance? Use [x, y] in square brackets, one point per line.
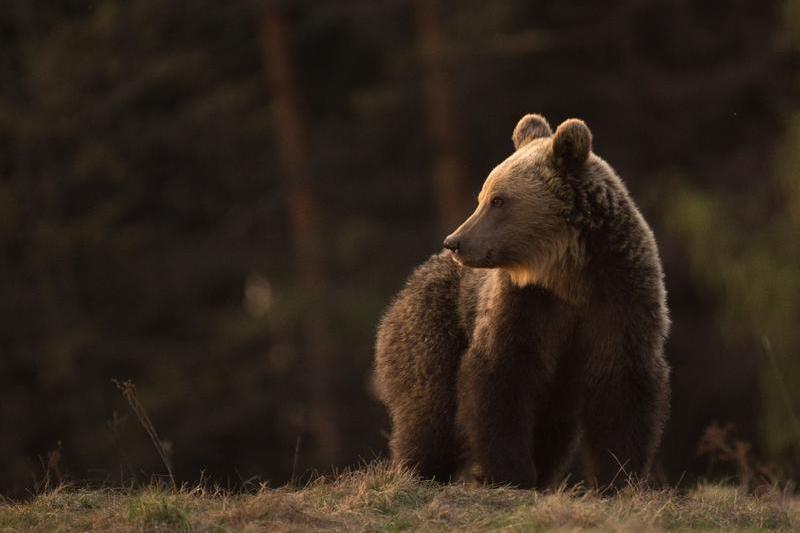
[451, 244]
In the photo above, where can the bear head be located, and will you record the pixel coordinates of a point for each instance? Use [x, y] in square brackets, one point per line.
[522, 221]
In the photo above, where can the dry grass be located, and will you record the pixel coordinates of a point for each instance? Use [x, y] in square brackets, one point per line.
[379, 498]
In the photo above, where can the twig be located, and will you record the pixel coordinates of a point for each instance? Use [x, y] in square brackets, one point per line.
[620, 470]
[784, 390]
[293, 479]
[128, 390]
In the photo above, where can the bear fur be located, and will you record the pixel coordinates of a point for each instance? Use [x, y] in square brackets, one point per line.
[540, 329]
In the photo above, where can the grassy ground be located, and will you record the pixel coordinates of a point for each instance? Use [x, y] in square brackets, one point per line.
[382, 499]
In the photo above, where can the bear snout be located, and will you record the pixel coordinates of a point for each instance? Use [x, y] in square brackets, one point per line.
[451, 243]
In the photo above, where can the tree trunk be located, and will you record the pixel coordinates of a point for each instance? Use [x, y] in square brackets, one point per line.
[303, 210]
[449, 167]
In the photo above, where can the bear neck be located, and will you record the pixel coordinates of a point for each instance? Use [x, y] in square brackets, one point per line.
[560, 273]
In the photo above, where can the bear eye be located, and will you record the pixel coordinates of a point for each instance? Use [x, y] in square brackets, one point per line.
[497, 201]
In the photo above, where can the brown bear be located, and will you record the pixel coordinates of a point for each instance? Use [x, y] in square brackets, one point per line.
[541, 326]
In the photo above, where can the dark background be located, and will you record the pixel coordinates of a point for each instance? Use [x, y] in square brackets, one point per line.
[217, 200]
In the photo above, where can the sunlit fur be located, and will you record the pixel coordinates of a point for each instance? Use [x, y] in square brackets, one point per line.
[537, 244]
[555, 268]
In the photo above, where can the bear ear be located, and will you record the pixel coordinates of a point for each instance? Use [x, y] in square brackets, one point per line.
[572, 144]
[530, 127]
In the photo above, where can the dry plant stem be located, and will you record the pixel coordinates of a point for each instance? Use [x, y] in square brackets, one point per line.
[782, 384]
[128, 390]
[295, 461]
[715, 443]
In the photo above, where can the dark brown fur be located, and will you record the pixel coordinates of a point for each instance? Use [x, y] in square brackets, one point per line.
[549, 324]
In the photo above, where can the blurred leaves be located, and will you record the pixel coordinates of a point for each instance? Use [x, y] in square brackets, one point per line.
[749, 259]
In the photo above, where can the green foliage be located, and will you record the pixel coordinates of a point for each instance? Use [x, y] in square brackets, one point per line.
[745, 251]
[750, 269]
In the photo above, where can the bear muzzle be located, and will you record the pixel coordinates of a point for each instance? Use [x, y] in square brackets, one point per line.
[473, 242]
[451, 243]
[469, 256]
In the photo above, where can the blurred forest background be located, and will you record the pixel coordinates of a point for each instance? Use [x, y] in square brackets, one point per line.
[217, 200]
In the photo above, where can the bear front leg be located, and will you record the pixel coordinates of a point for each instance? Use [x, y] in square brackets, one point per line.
[495, 418]
[555, 442]
[557, 434]
[623, 419]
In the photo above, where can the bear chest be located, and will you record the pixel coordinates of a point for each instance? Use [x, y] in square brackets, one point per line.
[528, 328]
